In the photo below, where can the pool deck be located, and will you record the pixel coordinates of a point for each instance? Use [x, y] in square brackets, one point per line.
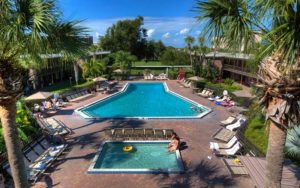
[71, 170]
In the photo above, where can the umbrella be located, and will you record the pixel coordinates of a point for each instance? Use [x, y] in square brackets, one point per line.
[99, 79]
[39, 96]
[118, 71]
[195, 78]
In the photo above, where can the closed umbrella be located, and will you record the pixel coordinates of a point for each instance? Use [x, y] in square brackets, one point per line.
[39, 96]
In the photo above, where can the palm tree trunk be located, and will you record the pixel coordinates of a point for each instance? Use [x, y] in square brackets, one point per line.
[13, 146]
[76, 71]
[275, 156]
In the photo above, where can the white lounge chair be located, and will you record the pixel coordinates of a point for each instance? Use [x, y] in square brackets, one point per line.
[217, 145]
[228, 152]
[202, 92]
[236, 125]
[228, 121]
[188, 84]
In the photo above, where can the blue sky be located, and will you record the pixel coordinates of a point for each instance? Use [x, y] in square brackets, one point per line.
[166, 20]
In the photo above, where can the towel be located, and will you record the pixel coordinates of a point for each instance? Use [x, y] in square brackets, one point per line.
[40, 165]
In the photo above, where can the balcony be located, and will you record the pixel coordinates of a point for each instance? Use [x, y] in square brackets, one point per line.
[238, 70]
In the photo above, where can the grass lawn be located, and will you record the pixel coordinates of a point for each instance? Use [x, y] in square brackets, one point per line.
[256, 129]
[144, 63]
[64, 87]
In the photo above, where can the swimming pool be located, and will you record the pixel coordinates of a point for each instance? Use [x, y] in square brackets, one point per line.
[144, 100]
[145, 157]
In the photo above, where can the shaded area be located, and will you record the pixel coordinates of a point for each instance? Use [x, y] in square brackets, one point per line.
[203, 174]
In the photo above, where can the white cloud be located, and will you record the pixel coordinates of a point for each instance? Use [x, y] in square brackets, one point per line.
[166, 35]
[157, 26]
[198, 32]
[150, 32]
[184, 31]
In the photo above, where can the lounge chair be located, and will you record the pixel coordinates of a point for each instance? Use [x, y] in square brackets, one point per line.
[228, 121]
[56, 126]
[187, 84]
[228, 152]
[218, 145]
[118, 134]
[128, 133]
[202, 92]
[159, 134]
[169, 133]
[208, 93]
[236, 125]
[224, 135]
[138, 134]
[37, 164]
[149, 133]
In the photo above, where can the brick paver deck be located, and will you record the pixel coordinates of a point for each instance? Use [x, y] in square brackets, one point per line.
[71, 170]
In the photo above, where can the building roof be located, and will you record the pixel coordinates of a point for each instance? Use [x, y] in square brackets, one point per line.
[241, 56]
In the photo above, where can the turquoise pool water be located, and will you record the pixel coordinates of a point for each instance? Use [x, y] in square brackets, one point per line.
[145, 157]
[144, 100]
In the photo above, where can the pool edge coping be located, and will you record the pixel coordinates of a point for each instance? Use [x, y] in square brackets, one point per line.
[92, 170]
[87, 116]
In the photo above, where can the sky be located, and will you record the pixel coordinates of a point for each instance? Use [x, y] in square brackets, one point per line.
[167, 20]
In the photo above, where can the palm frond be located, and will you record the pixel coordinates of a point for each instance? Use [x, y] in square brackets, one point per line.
[228, 22]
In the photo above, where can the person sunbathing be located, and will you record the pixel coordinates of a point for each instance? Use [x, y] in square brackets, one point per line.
[174, 144]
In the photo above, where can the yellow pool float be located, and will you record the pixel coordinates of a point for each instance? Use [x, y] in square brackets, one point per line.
[127, 148]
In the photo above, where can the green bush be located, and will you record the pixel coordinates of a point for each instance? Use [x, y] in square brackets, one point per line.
[229, 81]
[172, 74]
[25, 125]
[256, 129]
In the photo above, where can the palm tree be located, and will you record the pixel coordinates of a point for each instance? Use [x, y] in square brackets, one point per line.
[92, 68]
[189, 40]
[28, 29]
[279, 24]
[124, 61]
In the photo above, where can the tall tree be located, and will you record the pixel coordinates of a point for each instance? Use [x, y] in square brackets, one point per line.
[127, 35]
[189, 40]
[28, 29]
[234, 21]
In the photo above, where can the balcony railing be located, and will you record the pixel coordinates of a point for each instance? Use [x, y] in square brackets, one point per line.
[239, 70]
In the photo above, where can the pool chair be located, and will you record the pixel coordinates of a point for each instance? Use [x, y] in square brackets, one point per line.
[203, 92]
[118, 134]
[236, 125]
[169, 133]
[149, 134]
[188, 84]
[138, 134]
[159, 134]
[218, 145]
[208, 93]
[228, 121]
[128, 133]
[224, 135]
[228, 152]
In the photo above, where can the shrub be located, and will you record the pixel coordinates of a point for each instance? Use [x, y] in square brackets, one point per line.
[172, 74]
[229, 81]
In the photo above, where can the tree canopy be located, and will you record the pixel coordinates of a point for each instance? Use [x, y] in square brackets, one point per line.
[127, 35]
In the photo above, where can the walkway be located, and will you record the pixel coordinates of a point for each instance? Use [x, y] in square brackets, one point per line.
[200, 171]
